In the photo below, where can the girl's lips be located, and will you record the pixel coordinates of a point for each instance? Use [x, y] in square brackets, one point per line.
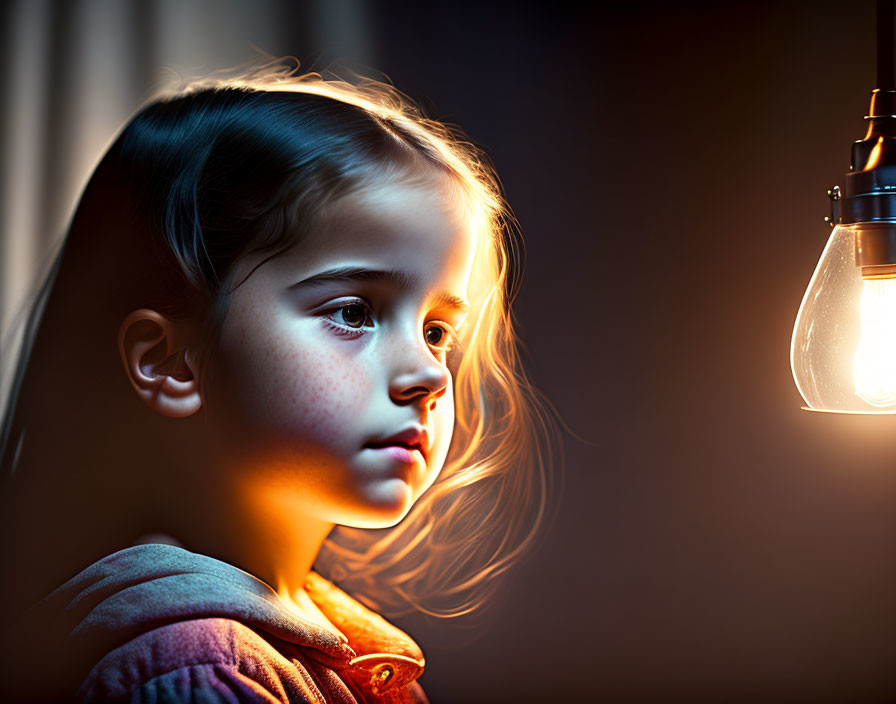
[396, 449]
[405, 445]
[400, 453]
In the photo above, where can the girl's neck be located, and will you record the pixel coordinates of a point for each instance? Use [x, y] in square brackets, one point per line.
[257, 530]
[280, 554]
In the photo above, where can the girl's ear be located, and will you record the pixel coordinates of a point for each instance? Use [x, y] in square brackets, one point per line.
[158, 363]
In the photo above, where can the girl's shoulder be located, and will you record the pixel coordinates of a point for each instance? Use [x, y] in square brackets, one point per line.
[153, 620]
[219, 658]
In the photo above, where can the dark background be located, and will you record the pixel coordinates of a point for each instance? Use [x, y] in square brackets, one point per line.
[668, 164]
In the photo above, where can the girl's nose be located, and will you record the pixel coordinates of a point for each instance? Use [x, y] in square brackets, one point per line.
[420, 378]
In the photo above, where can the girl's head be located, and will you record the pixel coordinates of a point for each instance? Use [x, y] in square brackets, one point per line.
[298, 277]
[335, 251]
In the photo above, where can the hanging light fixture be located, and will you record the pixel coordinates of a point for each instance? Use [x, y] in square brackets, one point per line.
[843, 351]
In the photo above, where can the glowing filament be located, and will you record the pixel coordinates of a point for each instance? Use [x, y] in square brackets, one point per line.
[874, 369]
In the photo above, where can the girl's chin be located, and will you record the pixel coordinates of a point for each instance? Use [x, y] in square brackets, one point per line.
[383, 506]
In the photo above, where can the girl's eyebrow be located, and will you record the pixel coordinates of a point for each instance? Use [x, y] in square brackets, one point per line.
[398, 279]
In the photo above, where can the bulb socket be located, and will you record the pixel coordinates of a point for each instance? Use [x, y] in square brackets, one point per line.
[876, 248]
[869, 194]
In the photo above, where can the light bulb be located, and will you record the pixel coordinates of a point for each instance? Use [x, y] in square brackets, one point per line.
[843, 350]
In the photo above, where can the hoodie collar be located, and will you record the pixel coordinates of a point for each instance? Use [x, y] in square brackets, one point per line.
[147, 586]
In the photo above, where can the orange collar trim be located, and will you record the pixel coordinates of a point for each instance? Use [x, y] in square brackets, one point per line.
[387, 657]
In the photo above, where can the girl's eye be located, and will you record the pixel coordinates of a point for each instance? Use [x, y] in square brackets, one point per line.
[352, 315]
[440, 336]
[349, 317]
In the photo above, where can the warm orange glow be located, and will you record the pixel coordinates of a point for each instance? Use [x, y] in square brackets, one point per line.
[286, 596]
[874, 368]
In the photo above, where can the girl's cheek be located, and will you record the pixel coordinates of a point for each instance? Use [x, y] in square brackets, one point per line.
[326, 397]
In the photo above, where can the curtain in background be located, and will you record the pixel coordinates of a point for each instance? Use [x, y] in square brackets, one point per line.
[75, 70]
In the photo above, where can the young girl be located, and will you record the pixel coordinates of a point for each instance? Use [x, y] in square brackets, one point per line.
[282, 306]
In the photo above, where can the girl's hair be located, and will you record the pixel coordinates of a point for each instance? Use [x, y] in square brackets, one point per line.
[232, 166]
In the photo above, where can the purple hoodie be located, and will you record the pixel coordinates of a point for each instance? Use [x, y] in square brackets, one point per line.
[156, 623]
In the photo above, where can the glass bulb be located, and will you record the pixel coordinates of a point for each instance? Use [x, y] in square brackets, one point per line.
[843, 351]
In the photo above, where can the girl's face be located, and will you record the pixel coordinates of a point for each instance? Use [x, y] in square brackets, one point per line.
[331, 389]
